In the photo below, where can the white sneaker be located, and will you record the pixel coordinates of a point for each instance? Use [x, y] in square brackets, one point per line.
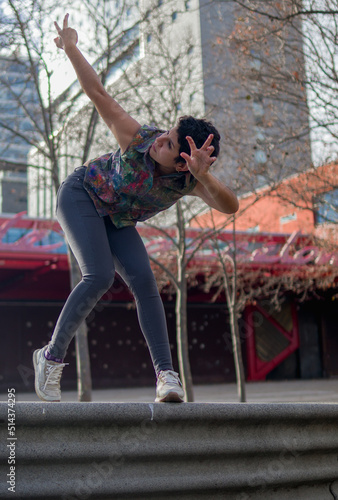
[169, 388]
[47, 376]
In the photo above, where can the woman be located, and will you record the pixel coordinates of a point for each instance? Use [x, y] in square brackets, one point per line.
[98, 206]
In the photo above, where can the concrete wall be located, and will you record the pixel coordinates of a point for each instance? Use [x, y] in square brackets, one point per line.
[167, 451]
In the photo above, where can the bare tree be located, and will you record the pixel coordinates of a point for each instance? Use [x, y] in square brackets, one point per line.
[50, 132]
[176, 263]
[283, 56]
[292, 49]
[230, 283]
[300, 268]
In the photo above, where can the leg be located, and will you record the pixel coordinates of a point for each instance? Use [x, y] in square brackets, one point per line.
[132, 264]
[86, 234]
[87, 237]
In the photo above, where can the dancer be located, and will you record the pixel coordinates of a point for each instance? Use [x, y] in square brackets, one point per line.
[98, 206]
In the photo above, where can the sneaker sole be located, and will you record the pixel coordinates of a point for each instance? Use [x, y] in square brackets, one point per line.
[36, 385]
[171, 397]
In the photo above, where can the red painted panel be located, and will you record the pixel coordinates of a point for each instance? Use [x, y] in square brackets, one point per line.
[257, 369]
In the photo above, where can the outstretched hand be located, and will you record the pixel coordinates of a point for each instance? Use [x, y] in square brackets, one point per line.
[199, 160]
[67, 36]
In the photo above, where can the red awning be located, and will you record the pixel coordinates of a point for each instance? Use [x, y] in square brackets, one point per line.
[34, 264]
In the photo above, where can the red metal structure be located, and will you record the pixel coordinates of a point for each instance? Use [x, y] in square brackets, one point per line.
[34, 267]
[264, 354]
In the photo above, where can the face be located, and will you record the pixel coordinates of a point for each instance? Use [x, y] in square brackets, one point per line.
[164, 151]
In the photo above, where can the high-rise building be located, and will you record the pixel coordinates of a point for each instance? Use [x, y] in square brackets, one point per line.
[17, 101]
[251, 74]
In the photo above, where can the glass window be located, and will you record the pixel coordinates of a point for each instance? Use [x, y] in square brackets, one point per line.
[51, 238]
[16, 175]
[255, 61]
[260, 156]
[288, 218]
[14, 234]
[174, 16]
[326, 207]
[253, 229]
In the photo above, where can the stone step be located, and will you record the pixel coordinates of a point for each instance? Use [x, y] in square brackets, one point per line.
[171, 451]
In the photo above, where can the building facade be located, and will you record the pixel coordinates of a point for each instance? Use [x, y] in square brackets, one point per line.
[18, 99]
[246, 85]
[307, 202]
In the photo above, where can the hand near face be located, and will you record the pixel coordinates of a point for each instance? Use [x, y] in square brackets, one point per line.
[199, 160]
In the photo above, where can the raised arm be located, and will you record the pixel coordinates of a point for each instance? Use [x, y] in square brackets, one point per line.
[215, 194]
[121, 124]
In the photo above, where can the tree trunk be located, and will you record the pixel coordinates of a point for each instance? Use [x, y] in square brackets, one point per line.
[84, 381]
[231, 298]
[181, 308]
[233, 308]
[237, 353]
[182, 338]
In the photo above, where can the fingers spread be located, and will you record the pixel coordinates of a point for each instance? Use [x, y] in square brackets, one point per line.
[206, 146]
[185, 156]
[191, 143]
[208, 141]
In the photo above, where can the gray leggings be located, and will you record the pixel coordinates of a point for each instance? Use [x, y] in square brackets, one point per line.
[100, 249]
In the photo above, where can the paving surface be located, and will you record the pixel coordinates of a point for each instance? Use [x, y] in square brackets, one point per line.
[301, 391]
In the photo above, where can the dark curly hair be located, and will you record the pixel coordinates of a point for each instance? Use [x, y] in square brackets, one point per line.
[199, 130]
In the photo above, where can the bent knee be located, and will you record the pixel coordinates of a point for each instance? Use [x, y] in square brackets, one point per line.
[100, 282]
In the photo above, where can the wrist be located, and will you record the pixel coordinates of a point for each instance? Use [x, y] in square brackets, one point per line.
[69, 46]
[204, 178]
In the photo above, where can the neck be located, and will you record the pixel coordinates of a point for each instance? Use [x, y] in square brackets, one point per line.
[160, 170]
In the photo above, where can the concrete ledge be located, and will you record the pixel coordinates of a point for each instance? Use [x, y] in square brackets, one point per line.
[172, 451]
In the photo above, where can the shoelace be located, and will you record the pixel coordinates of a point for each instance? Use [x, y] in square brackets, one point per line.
[169, 377]
[54, 373]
